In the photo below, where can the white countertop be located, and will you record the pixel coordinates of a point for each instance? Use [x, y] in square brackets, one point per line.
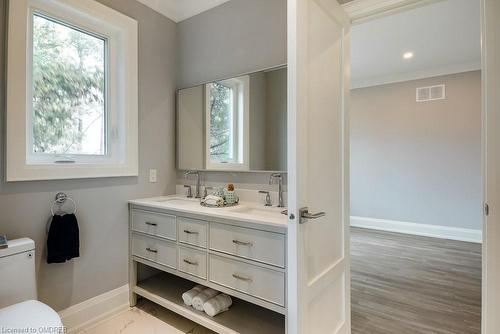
[245, 211]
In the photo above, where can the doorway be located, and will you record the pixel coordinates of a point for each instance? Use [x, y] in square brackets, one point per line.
[416, 198]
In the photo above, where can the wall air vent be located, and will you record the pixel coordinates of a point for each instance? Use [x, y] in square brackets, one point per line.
[431, 93]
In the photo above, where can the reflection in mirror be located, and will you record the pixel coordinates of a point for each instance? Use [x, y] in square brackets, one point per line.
[236, 124]
[227, 123]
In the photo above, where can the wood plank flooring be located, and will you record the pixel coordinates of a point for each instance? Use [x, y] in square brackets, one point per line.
[403, 284]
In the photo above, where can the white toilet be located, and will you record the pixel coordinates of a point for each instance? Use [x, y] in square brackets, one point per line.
[20, 312]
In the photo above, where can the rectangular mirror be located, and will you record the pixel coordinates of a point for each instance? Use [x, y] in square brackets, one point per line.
[235, 124]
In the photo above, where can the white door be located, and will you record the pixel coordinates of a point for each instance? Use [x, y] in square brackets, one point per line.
[318, 258]
[491, 161]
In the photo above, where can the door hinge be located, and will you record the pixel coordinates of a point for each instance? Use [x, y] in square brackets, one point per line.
[486, 209]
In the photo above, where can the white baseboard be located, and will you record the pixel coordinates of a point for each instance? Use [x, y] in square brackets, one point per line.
[96, 309]
[435, 231]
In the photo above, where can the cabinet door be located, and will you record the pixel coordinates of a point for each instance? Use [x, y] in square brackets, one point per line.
[262, 246]
[159, 251]
[153, 223]
[259, 282]
[193, 231]
[193, 261]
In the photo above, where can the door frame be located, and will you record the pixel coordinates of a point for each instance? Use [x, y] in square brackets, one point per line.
[365, 10]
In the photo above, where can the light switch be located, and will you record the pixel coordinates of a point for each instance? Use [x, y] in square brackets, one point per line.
[152, 175]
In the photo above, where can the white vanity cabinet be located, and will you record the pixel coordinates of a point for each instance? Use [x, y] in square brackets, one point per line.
[243, 259]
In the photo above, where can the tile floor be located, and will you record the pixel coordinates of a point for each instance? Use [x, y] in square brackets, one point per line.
[146, 318]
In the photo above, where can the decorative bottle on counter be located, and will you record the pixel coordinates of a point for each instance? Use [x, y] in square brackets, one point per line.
[230, 194]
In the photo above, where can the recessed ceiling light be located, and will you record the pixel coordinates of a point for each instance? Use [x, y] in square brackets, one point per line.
[408, 55]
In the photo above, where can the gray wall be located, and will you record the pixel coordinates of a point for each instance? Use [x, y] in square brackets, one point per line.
[102, 203]
[240, 36]
[237, 37]
[418, 162]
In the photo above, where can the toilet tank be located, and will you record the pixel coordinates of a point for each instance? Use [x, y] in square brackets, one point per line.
[17, 272]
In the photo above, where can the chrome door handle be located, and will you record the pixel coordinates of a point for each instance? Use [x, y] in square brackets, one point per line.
[305, 215]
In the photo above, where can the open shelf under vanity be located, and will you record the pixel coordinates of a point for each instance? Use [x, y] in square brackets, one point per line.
[243, 317]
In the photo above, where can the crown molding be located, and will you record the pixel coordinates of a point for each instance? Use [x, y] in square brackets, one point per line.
[364, 10]
[415, 75]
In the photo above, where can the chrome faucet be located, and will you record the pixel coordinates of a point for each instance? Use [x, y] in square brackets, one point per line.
[198, 182]
[279, 177]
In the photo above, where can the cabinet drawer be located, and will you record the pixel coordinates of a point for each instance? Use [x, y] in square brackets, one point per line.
[266, 247]
[253, 280]
[193, 262]
[193, 231]
[159, 251]
[154, 223]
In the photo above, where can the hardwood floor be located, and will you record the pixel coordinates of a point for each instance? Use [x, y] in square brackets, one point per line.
[403, 284]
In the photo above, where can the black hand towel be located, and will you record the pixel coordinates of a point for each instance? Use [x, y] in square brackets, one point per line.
[63, 242]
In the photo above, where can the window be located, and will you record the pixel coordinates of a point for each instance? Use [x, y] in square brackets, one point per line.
[227, 124]
[71, 91]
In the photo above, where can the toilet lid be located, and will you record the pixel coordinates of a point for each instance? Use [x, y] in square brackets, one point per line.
[30, 316]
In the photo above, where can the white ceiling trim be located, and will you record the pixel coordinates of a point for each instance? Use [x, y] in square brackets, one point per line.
[437, 72]
[179, 10]
[363, 10]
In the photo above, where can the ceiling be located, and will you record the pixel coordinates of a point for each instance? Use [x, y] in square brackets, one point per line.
[444, 38]
[179, 10]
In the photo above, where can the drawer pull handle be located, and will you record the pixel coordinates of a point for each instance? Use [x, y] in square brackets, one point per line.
[191, 232]
[151, 224]
[191, 262]
[243, 243]
[151, 250]
[241, 278]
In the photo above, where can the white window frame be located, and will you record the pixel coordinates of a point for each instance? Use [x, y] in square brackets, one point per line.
[240, 142]
[121, 75]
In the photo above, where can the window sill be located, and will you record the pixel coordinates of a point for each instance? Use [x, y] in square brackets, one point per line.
[70, 171]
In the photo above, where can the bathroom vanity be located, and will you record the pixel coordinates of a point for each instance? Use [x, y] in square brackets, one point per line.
[175, 243]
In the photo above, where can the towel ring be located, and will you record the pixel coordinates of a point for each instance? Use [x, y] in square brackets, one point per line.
[61, 198]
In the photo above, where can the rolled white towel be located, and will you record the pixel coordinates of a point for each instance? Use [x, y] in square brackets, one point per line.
[202, 297]
[188, 296]
[214, 200]
[218, 304]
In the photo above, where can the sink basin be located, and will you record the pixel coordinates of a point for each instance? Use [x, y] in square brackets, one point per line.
[272, 213]
[177, 201]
